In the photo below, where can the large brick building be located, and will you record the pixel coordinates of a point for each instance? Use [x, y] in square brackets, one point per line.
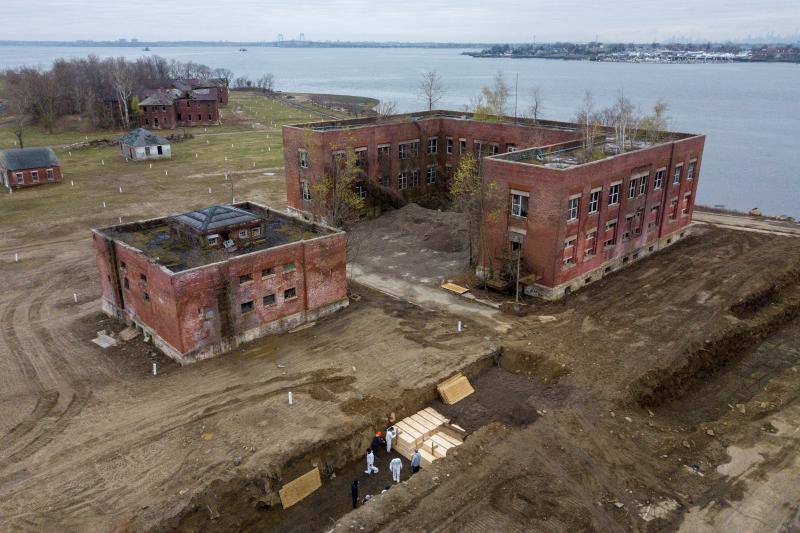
[29, 167]
[173, 108]
[571, 215]
[202, 282]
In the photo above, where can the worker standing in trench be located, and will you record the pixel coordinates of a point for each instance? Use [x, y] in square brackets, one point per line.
[354, 492]
[416, 459]
[370, 463]
[395, 465]
[391, 434]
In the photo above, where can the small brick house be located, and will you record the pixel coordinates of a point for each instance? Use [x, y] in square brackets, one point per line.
[201, 283]
[141, 144]
[567, 219]
[29, 167]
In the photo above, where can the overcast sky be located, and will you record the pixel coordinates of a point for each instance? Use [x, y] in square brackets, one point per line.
[399, 20]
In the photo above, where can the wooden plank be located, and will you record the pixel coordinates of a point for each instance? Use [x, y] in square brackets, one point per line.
[423, 431]
[441, 441]
[455, 441]
[452, 287]
[424, 422]
[436, 414]
[296, 490]
[427, 458]
[436, 422]
[404, 428]
[456, 390]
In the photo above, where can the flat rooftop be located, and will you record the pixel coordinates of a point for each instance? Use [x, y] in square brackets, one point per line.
[334, 125]
[155, 240]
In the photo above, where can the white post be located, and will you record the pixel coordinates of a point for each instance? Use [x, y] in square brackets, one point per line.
[70, 153]
[459, 326]
[166, 172]
[209, 190]
[104, 205]
[75, 297]
[120, 220]
[103, 162]
[120, 190]
[291, 398]
[151, 165]
[16, 258]
[195, 155]
[155, 368]
[71, 183]
[254, 164]
[269, 149]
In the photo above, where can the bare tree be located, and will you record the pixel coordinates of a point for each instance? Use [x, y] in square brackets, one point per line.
[386, 109]
[335, 194]
[266, 83]
[536, 104]
[493, 101]
[588, 119]
[654, 125]
[122, 81]
[431, 88]
[623, 117]
[225, 74]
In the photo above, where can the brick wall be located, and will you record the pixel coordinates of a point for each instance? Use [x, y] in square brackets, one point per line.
[28, 179]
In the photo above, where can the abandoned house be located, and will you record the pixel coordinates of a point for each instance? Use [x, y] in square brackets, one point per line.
[219, 84]
[141, 144]
[201, 283]
[572, 213]
[173, 108]
[28, 167]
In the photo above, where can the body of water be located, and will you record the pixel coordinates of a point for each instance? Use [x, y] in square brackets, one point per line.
[750, 113]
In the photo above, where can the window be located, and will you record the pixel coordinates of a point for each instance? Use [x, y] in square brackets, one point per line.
[611, 233]
[570, 243]
[402, 180]
[449, 145]
[673, 208]
[415, 177]
[516, 239]
[408, 149]
[209, 117]
[519, 205]
[35, 176]
[245, 278]
[247, 306]
[690, 171]
[243, 233]
[494, 149]
[659, 179]
[687, 202]
[594, 201]
[433, 145]
[676, 178]
[199, 117]
[160, 150]
[123, 265]
[477, 148]
[591, 243]
[146, 150]
[268, 272]
[146, 296]
[255, 232]
[269, 299]
[361, 157]
[385, 180]
[50, 174]
[613, 194]
[632, 187]
[213, 240]
[462, 146]
[511, 148]
[306, 191]
[143, 278]
[384, 151]
[430, 177]
[20, 178]
[642, 185]
[289, 267]
[361, 191]
[303, 155]
[290, 294]
[126, 283]
[572, 209]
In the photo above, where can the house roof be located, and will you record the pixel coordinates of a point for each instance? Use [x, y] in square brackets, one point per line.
[216, 217]
[142, 137]
[158, 98]
[22, 158]
[203, 94]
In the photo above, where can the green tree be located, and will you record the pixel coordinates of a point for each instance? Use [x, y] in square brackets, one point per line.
[336, 193]
[492, 103]
[136, 111]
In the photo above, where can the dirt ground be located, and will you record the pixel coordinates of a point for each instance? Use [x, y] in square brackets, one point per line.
[662, 397]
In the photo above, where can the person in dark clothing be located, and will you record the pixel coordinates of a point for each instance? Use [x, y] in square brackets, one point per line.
[354, 492]
[378, 442]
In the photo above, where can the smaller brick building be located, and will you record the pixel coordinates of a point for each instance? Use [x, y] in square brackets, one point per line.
[219, 84]
[29, 167]
[172, 108]
[201, 283]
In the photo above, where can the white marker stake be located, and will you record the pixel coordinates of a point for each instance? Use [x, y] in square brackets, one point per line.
[120, 220]
[104, 205]
[75, 297]
[231, 145]
[71, 183]
[269, 149]
[166, 172]
[103, 162]
[291, 398]
[254, 164]
[70, 154]
[226, 177]
[151, 165]
[16, 258]
[226, 158]
[195, 155]
[120, 190]
[459, 326]
[155, 368]
[209, 190]
[207, 141]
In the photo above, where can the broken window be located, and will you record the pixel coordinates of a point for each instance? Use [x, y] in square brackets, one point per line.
[408, 149]
[126, 283]
[20, 178]
[511, 148]
[255, 232]
[573, 208]
[449, 145]
[50, 175]
[676, 177]
[245, 278]
[632, 187]
[433, 145]
[415, 177]
[402, 180]
[269, 299]
[642, 185]
[690, 171]
[591, 243]
[613, 194]
[494, 149]
[462, 146]
[303, 155]
[519, 205]
[658, 181]
[143, 278]
[267, 272]
[247, 306]
[35, 176]
[146, 297]
[594, 201]
[290, 294]
[289, 267]
[243, 234]
[361, 157]
[431, 175]
[384, 151]
[306, 191]
[611, 233]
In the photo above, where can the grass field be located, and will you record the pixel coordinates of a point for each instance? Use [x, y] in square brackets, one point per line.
[245, 148]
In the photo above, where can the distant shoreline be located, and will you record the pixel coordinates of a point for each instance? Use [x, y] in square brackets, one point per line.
[604, 59]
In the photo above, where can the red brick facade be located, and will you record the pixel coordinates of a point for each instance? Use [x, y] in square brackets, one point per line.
[182, 113]
[31, 177]
[563, 248]
[202, 311]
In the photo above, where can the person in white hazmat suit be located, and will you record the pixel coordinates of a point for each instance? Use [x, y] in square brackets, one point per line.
[370, 462]
[395, 465]
[391, 435]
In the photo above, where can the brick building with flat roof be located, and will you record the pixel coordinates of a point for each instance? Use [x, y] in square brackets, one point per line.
[571, 215]
[203, 282]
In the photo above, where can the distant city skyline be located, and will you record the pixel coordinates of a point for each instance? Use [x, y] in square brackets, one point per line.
[409, 21]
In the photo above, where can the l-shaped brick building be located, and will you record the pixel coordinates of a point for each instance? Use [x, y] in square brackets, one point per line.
[203, 282]
[572, 215]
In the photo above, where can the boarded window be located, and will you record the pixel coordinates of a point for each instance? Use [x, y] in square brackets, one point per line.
[269, 299]
[289, 267]
[247, 306]
[245, 278]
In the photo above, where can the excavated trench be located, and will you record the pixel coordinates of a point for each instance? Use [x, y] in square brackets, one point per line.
[733, 365]
[507, 385]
